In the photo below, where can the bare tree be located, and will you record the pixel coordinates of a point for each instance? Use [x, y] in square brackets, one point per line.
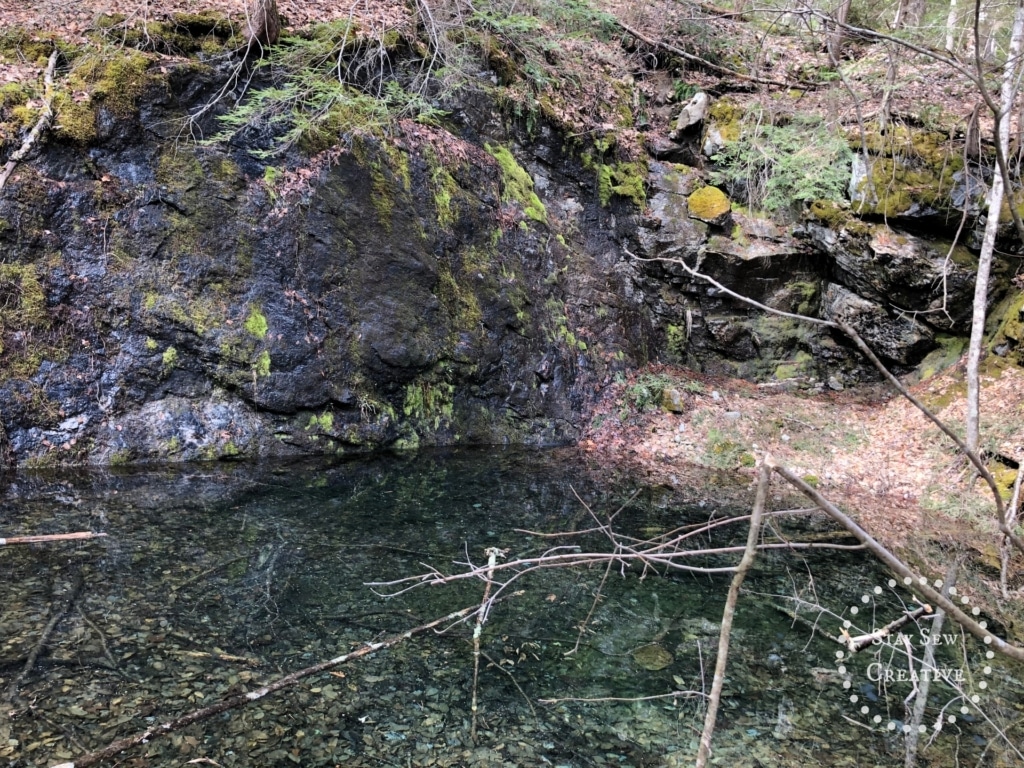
[994, 206]
[838, 36]
[952, 29]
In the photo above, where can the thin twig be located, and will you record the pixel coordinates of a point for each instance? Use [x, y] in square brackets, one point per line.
[48, 537]
[673, 695]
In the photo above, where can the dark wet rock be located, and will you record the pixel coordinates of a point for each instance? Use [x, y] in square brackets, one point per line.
[896, 339]
[180, 306]
[901, 271]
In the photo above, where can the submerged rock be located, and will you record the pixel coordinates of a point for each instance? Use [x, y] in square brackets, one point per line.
[652, 657]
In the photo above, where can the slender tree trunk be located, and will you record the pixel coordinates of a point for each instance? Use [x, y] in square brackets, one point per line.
[885, 109]
[835, 40]
[994, 205]
[952, 31]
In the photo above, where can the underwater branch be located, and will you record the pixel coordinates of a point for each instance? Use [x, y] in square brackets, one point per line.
[242, 699]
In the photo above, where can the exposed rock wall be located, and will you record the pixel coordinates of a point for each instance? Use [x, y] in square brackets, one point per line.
[168, 301]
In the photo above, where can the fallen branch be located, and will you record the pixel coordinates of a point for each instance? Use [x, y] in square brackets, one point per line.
[493, 553]
[860, 642]
[220, 656]
[704, 751]
[916, 582]
[709, 65]
[69, 601]
[45, 118]
[242, 699]
[45, 538]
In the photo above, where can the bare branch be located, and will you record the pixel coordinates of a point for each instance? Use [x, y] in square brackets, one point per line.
[43, 123]
[917, 583]
[763, 478]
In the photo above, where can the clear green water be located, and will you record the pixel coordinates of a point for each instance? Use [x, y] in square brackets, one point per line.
[219, 578]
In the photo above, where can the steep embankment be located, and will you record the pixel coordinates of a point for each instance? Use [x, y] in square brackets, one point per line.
[361, 257]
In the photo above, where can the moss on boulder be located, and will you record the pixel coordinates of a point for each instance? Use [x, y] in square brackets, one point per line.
[709, 204]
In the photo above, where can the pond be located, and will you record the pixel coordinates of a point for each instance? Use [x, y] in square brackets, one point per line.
[215, 579]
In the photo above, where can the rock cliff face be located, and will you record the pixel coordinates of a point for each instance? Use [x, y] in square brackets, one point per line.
[166, 301]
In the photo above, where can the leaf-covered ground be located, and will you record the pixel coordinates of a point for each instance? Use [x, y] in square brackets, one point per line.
[872, 453]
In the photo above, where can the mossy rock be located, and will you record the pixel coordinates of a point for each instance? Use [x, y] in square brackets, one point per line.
[909, 171]
[949, 351]
[727, 117]
[709, 204]
[112, 81]
[652, 657]
[1009, 332]
[837, 217]
[800, 365]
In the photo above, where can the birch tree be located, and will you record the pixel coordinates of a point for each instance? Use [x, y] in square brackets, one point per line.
[994, 205]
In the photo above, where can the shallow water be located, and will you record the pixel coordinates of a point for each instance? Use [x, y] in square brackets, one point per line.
[216, 579]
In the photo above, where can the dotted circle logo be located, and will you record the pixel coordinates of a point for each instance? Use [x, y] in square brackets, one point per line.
[963, 683]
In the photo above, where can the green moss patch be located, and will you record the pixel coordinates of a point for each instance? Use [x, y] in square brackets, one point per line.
[518, 184]
[112, 79]
[907, 168]
[727, 117]
[256, 323]
[709, 204]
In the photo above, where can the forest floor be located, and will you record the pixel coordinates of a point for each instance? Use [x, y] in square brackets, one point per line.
[869, 450]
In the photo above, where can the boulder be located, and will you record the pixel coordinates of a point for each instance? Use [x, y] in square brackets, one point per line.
[899, 339]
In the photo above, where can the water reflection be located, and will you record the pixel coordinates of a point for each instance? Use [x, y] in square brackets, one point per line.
[218, 578]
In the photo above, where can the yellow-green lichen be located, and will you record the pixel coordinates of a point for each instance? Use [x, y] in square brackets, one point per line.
[324, 422]
[256, 323]
[798, 366]
[518, 184]
[169, 358]
[623, 179]
[429, 402]
[727, 117]
[445, 191]
[837, 217]
[908, 168]
[708, 204]
[261, 366]
[22, 299]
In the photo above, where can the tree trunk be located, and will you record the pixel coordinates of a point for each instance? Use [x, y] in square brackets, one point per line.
[908, 14]
[835, 40]
[264, 24]
[994, 205]
[952, 31]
